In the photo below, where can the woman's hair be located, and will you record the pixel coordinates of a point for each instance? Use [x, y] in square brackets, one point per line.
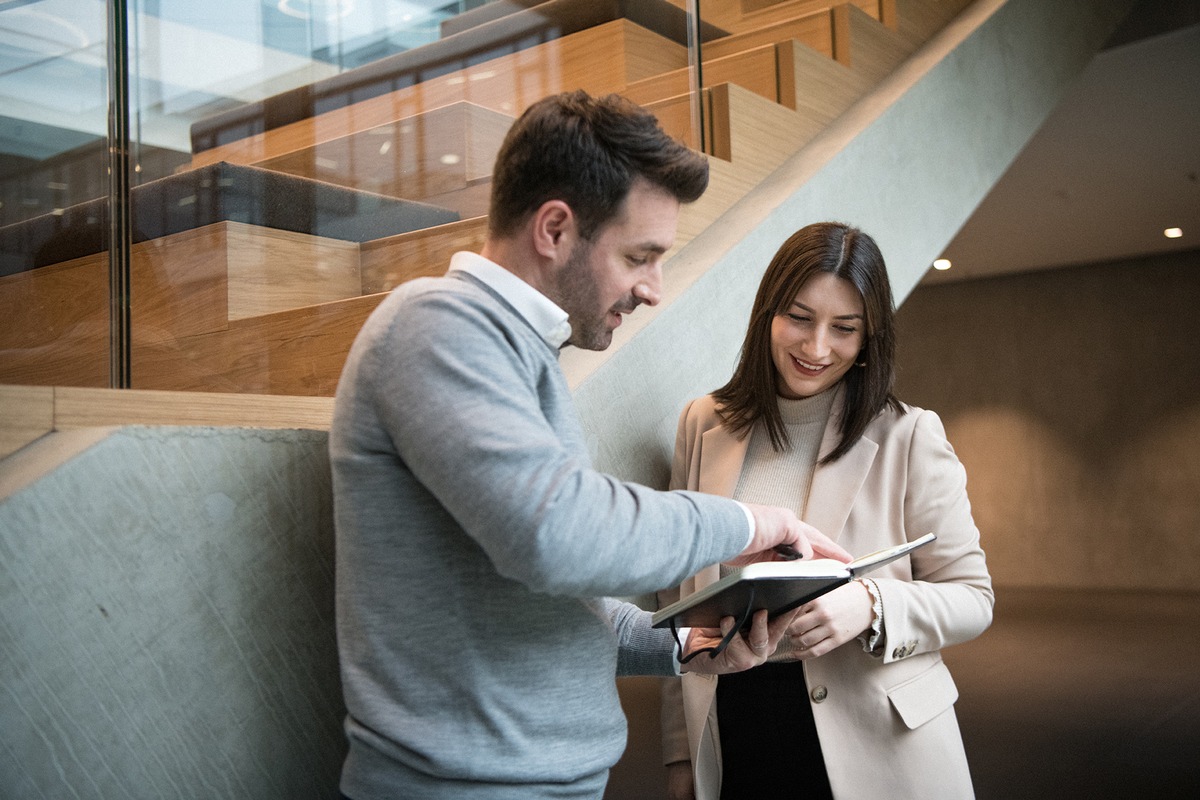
[586, 152]
[848, 253]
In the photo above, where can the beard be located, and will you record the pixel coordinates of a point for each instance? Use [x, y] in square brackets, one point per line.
[579, 296]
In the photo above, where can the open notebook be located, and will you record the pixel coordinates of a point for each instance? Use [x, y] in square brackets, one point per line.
[777, 586]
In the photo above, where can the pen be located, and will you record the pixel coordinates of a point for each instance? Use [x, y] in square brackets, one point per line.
[788, 552]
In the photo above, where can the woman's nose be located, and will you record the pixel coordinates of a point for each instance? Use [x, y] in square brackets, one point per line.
[816, 343]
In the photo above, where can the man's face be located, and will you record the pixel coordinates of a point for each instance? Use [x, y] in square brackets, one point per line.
[620, 269]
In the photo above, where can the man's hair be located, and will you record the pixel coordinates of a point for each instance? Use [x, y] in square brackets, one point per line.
[586, 152]
[848, 253]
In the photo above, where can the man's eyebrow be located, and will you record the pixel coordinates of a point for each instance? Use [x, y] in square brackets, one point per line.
[652, 247]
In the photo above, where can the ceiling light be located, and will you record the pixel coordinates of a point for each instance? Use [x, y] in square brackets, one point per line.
[1173, 233]
[942, 264]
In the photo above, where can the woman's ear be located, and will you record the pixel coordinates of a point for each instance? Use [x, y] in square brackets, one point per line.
[554, 230]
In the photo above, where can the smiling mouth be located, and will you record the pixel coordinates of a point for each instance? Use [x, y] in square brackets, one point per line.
[807, 367]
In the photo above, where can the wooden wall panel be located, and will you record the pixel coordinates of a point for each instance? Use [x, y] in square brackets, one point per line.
[178, 283]
[184, 291]
[272, 270]
[389, 262]
[295, 352]
[55, 327]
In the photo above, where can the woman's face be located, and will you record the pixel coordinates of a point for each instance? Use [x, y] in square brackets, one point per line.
[814, 343]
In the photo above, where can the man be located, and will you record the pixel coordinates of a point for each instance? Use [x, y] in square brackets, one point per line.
[476, 546]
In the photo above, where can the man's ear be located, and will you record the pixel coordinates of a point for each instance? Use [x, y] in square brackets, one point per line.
[554, 230]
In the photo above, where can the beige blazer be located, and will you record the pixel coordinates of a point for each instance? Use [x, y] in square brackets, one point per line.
[886, 720]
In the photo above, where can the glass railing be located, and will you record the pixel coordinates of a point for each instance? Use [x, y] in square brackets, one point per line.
[288, 161]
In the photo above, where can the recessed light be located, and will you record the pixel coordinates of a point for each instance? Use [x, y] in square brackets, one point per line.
[1173, 233]
[942, 264]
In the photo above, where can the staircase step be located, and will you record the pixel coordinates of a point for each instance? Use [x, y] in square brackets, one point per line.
[478, 39]
[444, 157]
[218, 192]
[741, 17]
[601, 59]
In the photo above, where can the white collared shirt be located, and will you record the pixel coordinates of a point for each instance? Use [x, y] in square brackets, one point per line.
[540, 311]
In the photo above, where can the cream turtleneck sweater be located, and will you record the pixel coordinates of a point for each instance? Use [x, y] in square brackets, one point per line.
[783, 478]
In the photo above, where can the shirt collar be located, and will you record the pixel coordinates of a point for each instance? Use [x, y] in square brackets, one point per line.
[540, 311]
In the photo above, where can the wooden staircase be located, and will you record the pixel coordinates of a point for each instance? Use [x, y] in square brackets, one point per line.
[244, 307]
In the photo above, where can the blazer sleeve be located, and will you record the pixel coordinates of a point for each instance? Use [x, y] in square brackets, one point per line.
[949, 598]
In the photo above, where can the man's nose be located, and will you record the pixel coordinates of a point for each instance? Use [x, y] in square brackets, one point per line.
[649, 289]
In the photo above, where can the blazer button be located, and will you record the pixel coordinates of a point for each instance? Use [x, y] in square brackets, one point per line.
[819, 693]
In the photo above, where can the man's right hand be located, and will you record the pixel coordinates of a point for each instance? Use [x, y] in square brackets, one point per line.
[774, 526]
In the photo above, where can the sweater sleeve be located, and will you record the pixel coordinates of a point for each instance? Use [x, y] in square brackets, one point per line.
[480, 418]
[644, 650]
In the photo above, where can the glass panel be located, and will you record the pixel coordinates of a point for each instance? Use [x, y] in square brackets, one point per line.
[292, 161]
[54, 291]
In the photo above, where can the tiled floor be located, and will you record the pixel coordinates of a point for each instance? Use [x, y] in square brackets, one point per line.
[1083, 695]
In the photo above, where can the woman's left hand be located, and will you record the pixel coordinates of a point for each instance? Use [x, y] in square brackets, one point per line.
[830, 621]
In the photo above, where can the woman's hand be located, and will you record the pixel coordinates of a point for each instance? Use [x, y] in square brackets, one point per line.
[679, 781]
[831, 620]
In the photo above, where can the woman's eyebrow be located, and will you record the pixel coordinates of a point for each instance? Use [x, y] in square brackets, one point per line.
[796, 304]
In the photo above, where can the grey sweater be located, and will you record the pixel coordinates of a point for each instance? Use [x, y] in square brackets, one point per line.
[475, 547]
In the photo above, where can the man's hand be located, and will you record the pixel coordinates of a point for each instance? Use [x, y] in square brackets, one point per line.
[747, 649]
[775, 526]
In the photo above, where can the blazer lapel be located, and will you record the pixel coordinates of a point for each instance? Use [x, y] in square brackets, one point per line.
[835, 486]
[722, 456]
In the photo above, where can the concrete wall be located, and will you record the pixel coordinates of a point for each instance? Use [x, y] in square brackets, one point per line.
[1073, 398]
[909, 163]
[167, 626]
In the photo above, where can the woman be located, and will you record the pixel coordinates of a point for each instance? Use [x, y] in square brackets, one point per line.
[856, 702]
